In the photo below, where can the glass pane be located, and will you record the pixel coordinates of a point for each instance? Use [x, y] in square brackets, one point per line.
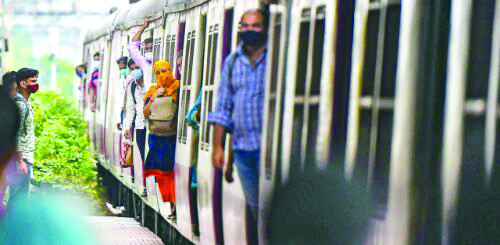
[362, 154]
[276, 54]
[187, 62]
[391, 44]
[191, 57]
[312, 135]
[380, 181]
[210, 53]
[319, 40]
[209, 109]
[370, 58]
[172, 51]
[269, 138]
[302, 58]
[480, 49]
[298, 121]
[214, 57]
[186, 108]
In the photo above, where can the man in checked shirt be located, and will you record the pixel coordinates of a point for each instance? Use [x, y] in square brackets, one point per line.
[240, 104]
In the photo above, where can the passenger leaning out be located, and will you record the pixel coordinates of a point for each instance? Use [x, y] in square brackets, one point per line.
[161, 110]
[146, 61]
[134, 116]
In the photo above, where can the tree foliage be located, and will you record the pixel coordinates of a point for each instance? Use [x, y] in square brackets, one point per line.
[62, 155]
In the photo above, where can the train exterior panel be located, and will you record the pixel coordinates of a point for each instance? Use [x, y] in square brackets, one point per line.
[388, 92]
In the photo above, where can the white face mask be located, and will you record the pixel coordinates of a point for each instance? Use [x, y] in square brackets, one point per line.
[149, 56]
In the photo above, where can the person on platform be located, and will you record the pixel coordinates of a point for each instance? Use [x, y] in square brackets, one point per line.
[27, 84]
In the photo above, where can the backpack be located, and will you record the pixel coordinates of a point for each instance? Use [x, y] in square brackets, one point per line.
[162, 120]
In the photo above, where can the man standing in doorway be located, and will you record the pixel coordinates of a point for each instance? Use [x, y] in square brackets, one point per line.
[146, 64]
[27, 84]
[240, 106]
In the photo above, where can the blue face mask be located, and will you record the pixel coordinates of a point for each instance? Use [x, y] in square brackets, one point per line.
[137, 74]
[253, 38]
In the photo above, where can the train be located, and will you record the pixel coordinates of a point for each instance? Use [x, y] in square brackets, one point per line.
[401, 96]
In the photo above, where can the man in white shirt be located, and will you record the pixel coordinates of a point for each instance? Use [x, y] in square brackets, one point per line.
[134, 115]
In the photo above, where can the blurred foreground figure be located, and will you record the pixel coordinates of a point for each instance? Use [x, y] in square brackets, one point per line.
[34, 219]
[318, 208]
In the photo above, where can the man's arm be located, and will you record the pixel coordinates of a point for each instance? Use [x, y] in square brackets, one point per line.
[221, 117]
[129, 111]
[137, 36]
[21, 165]
[134, 45]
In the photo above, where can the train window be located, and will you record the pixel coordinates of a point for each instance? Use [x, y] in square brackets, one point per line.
[156, 53]
[185, 84]
[377, 102]
[319, 40]
[275, 51]
[209, 81]
[391, 44]
[172, 51]
[370, 59]
[191, 57]
[298, 120]
[302, 58]
[167, 47]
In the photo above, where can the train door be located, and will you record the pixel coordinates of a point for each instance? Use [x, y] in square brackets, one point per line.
[91, 114]
[168, 47]
[192, 65]
[272, 133]
[156, 33]
[126, 172]
[470, 142]
[233, 213]
[103, 100]
[115, 102]
[371, 108]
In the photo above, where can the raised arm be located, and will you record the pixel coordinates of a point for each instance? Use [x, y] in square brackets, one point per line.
[137, 36]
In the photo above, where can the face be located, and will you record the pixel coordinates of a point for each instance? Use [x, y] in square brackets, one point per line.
[134, 67]
[162, 74]
[179, 64]
[122, 66]
[97, 58]
[148, 48]
[252, 22]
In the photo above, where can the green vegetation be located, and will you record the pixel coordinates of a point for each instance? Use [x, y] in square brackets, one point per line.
[63, 159]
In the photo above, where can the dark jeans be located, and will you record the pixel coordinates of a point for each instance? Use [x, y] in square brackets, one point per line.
[141, 141]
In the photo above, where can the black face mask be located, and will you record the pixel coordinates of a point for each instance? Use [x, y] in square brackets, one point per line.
[253, 38]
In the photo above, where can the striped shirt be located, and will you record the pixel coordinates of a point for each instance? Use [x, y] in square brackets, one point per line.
[240, 100]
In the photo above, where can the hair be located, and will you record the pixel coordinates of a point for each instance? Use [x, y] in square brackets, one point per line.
[8, 79]
[24, 73]
[9, 125]
[96, 54]
[122, 60]
[148, 40]
[262, 12]
[130, 63]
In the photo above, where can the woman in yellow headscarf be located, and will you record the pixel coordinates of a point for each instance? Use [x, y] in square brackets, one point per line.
[161, 156]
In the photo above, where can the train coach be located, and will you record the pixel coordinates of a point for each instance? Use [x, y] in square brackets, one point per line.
[401, 96]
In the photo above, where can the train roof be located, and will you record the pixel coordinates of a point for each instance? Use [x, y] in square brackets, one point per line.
[127, 17]
[134, 14]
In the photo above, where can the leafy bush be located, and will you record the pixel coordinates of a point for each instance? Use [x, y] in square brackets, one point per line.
[62, 156]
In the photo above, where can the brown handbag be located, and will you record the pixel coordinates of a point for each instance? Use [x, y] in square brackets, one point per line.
[127, 159]
[162, 119]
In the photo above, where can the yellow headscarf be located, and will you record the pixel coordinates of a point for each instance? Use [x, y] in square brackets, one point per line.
[165, 80]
